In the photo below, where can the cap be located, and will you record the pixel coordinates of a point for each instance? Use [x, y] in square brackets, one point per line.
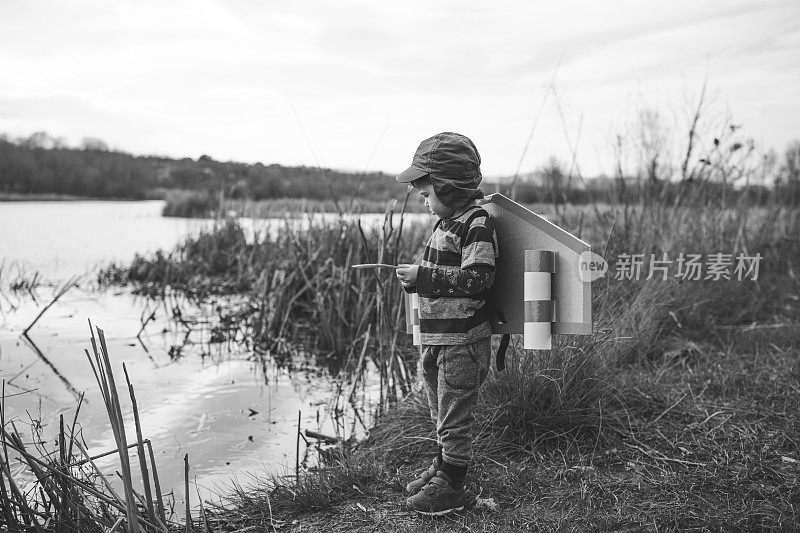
[452, 163]
[444, 154]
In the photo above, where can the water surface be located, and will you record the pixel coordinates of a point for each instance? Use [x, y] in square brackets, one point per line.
[235, 412]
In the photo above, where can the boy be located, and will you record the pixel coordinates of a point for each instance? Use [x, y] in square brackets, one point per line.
[452, 280]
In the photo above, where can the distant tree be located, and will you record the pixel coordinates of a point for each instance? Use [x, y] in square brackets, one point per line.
[652, 138]
[39, 139]
[93, 144]
[59, 143]
[787, 183]
[555, 179]
[790, 171]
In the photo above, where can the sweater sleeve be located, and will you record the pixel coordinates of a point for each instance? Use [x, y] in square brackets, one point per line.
[454, 282]
[476, 273]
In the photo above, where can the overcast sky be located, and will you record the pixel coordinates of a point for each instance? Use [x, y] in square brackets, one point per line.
[357, 84]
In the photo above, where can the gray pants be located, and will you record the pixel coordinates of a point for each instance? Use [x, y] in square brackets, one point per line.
[452, 376]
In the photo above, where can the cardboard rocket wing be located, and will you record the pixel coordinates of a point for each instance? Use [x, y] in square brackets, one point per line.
[519, 229]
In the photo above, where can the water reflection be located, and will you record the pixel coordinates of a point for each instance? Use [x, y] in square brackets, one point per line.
[199, 389]
[35, 349]
[202, 387]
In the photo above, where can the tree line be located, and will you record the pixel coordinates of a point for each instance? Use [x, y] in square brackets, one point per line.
[41, 164]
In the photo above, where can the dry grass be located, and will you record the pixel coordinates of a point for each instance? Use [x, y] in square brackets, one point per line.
[55, 485]
[204, 204]
[707, 439]
[299, 290]
[677, 413]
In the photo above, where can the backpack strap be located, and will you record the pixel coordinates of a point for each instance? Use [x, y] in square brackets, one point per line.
[500, 356]
[468, 222]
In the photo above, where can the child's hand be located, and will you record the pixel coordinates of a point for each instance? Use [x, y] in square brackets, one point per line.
[407, 274]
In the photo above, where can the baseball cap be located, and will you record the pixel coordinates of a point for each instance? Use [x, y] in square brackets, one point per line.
[452, 163]
[445, 153]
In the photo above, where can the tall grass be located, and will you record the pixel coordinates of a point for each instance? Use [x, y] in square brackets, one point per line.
[300, 287]
[185, 203]
[204, 204]
[585, 391]
[301, 292]
[55, 484]
[577, 388]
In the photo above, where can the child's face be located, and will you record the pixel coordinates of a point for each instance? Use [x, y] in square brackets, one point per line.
[432, 202]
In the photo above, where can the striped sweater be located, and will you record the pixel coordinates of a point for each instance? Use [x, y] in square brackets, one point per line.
[454, 278]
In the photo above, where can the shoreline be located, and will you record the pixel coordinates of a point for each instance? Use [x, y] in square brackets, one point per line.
[15, 197]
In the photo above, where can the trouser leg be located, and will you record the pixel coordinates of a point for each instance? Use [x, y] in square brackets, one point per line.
[462, 370]
[430, 378]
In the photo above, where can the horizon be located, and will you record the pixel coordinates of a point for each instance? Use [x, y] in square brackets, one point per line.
[357, 86]
[487, 178]
[116, 150]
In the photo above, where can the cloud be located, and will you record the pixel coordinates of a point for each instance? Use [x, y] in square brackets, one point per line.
[185, 78]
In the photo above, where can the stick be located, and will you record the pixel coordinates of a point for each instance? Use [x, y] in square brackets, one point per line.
[79, 484]
[32, 345]
[99, 473]
[98, 456]
[297, 449]
[74, 422]
[117, 426]
[661, 457]
[16, 443]
[186, 493]
[5, 497]
[61, 292]
[319, 436]
[62, 455]
[12, 486]
[116, 524]
[668, 410]
[202, 509]
[372, 265]
[148, 495]
[25, 511]
[159, 500]
[356, 372]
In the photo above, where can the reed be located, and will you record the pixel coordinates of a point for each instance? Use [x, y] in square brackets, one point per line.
[602, 395]
[148, 496]
[298, 286]
[69, 492]
[186, 493]
[302, 292]
[15, 278]
[180, 203]
[204, 205]
[59, 292]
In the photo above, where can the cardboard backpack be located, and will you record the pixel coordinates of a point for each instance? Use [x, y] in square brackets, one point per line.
[537, 289]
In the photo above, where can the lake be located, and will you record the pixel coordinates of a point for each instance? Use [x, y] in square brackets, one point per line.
[235, 412]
